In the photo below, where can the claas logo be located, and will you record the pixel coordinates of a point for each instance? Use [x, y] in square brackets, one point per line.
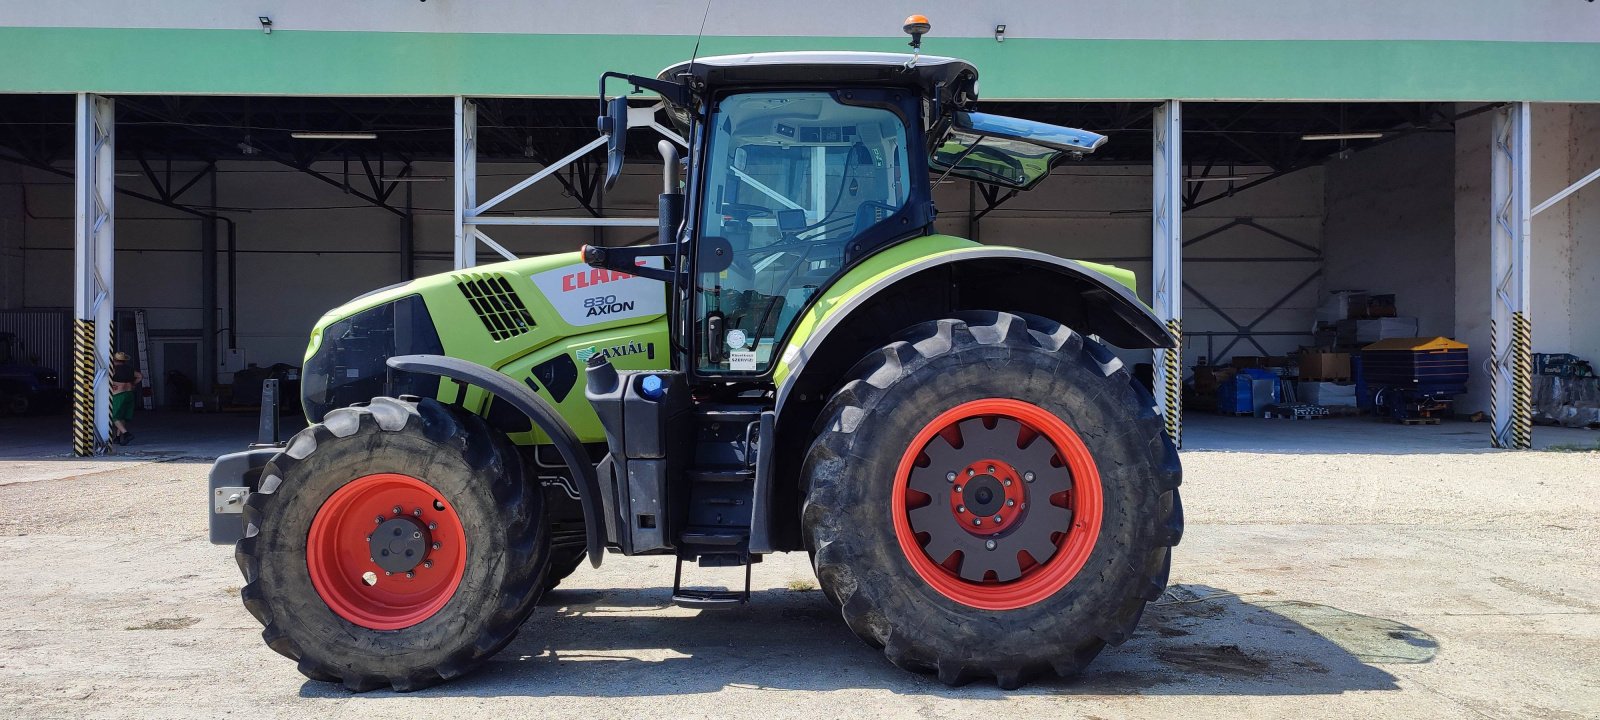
[591, 278]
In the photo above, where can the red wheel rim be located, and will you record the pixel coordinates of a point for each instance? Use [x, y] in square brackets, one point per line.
[344, 548]
[987, 443]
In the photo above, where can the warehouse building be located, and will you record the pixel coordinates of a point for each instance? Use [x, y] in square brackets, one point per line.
[215, 177]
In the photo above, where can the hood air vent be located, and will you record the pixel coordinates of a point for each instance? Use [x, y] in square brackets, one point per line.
[497, 305]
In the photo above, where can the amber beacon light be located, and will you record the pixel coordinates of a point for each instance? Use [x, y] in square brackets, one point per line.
[916, 26]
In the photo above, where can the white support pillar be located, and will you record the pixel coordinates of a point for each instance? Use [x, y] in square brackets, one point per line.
[1166, 260]
[1511, 326]
[93, 273]
[466, 183]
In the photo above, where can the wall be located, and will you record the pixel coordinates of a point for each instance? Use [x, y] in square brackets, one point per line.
[1390, 227]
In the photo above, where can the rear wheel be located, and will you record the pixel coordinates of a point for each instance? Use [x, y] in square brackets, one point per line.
[396, 544]
[991, 496]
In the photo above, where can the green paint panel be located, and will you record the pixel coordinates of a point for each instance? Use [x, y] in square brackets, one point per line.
[289, 62]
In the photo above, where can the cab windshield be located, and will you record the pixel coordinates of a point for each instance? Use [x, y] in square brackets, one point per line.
[791, 178]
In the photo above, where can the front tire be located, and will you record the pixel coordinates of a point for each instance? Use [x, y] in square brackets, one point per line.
[396, 544]
[991, 496]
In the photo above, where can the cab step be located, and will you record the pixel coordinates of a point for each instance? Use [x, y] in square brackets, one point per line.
[701, 599]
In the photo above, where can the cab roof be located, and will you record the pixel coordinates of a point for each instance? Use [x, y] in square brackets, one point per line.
[955, 78]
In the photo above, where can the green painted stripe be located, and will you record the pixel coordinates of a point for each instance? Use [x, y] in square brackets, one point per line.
[291, 62]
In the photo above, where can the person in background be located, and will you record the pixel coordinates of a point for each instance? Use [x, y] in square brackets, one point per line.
[124, 391]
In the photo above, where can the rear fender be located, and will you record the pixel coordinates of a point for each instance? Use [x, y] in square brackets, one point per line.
[1083, 296]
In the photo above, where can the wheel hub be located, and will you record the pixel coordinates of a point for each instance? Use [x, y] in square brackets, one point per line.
[991, 498]
[400, 544]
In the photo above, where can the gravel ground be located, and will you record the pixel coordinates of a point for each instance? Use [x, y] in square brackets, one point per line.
[1419, 577]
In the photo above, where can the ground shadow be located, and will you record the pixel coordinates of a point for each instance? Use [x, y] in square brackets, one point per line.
[1195, 641]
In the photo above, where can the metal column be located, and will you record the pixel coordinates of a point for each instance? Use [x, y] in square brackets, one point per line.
[93, 254]
[466, 187]
[1166, 260]
[1510, 325]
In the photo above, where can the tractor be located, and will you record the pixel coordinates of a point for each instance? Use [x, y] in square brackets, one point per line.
[801, 364]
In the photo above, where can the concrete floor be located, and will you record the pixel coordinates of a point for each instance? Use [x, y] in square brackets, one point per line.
[1332, 568]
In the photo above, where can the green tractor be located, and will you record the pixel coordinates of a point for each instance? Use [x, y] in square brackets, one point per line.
[803, 364]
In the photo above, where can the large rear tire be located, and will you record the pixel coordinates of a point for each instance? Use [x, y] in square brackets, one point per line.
[991, 496]
[396, 544]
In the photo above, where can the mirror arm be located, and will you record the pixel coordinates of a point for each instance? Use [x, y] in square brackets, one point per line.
[675, 93]
[627, 259]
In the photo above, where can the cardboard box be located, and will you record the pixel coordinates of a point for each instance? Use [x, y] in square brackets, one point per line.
[1325, 365]
[1341, 304]
[1360, 332]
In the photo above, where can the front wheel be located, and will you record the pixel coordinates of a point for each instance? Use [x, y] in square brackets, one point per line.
[396, 544]
[991, 495]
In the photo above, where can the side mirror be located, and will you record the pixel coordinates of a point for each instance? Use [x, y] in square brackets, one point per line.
[615, 125]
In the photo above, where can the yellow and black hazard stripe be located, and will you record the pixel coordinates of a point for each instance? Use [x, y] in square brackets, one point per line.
[83, 369]
[1172, 363]
[1521, 381]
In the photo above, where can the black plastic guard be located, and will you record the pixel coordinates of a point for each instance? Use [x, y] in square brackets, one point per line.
[543, 416]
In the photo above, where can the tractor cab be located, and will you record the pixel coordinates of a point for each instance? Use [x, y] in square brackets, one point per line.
[802, 164]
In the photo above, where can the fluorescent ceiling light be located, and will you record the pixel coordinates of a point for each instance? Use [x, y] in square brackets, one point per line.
[1227, 178]
[1343, 136]
[334, 135]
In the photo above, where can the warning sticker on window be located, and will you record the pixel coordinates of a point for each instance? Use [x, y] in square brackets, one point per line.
[583, 295]
[742, 360]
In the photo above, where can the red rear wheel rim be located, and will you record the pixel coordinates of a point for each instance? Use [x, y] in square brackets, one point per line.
[960, 485]
[422, 536]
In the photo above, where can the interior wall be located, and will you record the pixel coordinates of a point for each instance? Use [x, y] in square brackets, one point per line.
[1102, 214]
[1390, 227]
[304, 246]
[11, 240]
[1584, 210]
[1474, 136]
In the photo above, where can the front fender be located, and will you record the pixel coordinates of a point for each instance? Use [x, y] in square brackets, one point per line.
[1108, 306]
[543, 416]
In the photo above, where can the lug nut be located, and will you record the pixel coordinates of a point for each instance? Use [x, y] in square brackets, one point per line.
[991, 469]
[989, 544]
[1010, 502]
[977, 521]
[998, 520]
[950, 476]
[958, 488]
[397, 510]
[1008, 482]
[961, 508]
[387, 573]
[369, 538]
[436, 546]
[433, 526]
[380, 520]
[971, 472]
[417, 512]
[1027, 476]
[410, 574]
[427, 563]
